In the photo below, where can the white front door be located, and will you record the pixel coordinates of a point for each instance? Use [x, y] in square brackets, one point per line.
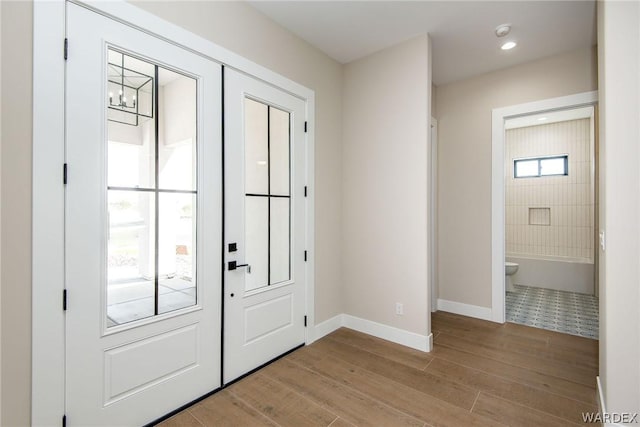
[143, 221]
[265, 152]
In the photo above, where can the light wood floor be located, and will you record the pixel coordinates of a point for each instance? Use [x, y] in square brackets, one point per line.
[479, 374]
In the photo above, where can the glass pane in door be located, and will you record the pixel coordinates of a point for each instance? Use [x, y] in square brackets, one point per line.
[256, 146]
[130, 256]
[279, 240]
[176, 251]
[267, 195]
[177, 139]
[278, 152]
[151, 189]
[256, 242]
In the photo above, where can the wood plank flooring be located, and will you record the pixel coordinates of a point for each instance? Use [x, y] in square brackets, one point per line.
[478, 374]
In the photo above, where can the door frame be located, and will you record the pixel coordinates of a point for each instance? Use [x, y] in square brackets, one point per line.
[499, 116]
[49, 78]
[433, 213]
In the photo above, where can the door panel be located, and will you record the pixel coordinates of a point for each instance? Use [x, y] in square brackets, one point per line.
[143, 224]
[264, 221]
[128, 368]
[267, 317]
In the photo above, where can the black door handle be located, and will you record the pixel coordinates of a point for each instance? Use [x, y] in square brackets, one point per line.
[232, 265]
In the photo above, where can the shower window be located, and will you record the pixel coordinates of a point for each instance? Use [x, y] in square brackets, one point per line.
[533, 167]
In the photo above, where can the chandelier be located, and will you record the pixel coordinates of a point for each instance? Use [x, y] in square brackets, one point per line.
[131, 91]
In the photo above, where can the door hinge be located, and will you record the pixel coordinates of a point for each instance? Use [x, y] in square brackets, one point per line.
[64, 174]
[305, 123]
[66, 48]
[305, 191]
[64, 421]
[64, 300]
[305, 256]
[305, 321]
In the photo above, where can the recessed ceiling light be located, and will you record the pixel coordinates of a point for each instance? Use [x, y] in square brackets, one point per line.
[542, 118]
[508, 45]
[503, 30]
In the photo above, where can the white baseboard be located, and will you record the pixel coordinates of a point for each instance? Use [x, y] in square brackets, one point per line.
[389, 333]
[476, 311]
[328, 326]
[378, 330]
[602, 408]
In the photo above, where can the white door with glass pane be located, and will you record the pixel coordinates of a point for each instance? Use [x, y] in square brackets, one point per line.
[264, 296]
[143, 220]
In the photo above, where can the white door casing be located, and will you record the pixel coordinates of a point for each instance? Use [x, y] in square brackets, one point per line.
[498, 119]
[265, 175]
[133, 373]
[433, 214]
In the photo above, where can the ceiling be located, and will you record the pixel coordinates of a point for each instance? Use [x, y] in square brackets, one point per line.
[462, 32]
[549, 117]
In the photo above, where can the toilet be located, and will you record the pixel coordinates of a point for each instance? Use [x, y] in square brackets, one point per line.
[510, 269]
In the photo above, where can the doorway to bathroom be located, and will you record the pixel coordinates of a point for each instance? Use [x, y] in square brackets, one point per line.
[550, 221]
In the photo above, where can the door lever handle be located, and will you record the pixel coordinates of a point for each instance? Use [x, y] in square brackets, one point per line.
[232, 265]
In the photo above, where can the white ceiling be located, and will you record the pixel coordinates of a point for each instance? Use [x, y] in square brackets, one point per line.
[462, 32]
[549, 117]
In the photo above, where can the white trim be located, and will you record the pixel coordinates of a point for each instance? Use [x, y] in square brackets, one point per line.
[378, 330]
[389, 333]
[601, 405]
[47, 364]
[433, 214]
[594, 200]
[48, 193]
[0, 216]
[328, 326]
[310, 229]
[469, 310]
[499, 115]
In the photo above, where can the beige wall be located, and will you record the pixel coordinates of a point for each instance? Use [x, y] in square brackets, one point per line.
[386, 104]
[464, 161]
[233, 25]
[619, 80]
[16, 207]
[568, 200]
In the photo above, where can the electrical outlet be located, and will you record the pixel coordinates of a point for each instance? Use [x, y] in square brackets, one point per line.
[399, 309]
[602, 240]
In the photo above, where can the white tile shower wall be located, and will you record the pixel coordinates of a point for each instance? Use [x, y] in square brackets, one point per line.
[569, 198]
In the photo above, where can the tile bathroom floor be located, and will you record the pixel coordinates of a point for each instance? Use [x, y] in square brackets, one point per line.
[567, 312]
